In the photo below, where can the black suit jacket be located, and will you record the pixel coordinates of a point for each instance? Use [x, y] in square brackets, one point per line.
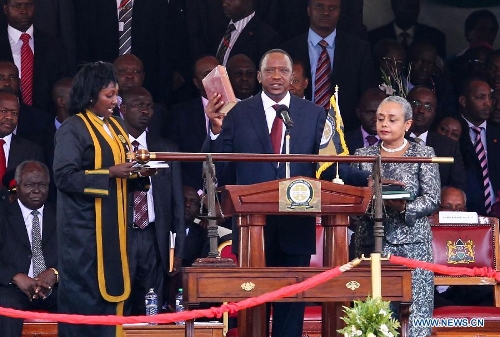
[32, 124]
[354, 140]
[422, 33]
[97, 38]
[196, 245]
[474, 178]
[50, 65]
[188, 130]
[168, 202]
[15, 247]
[352, 71]
[450, 174]
[254, 40]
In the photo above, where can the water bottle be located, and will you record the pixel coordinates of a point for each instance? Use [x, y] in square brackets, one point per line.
[178, 305]
[151, 300]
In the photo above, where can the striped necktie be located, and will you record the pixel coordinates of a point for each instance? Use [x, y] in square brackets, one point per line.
[483, 161]
[27, 62]
[36, 245]
[221, 53]
[322, 85]
[125, 22]
[141, 218]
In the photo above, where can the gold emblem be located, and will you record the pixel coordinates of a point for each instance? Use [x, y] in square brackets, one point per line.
[460, 252]
[248, 286]
[353, 285]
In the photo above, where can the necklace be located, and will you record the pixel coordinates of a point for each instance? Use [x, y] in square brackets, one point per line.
[396, 149]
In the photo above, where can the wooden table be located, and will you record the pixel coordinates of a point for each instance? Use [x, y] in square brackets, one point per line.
[171, 330]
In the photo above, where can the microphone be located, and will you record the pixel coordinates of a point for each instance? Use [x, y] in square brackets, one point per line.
[283, 113]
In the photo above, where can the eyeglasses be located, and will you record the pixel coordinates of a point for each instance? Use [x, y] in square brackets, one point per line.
[418, 104]
[4, 112]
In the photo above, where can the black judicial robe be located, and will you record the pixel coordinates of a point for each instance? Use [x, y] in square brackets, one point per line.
[94, 275]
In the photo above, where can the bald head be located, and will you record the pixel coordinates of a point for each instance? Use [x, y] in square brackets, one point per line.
[242, 74]
[452, 199]
[129, 71]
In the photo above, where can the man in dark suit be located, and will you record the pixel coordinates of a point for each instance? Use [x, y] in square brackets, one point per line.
[250, 35]
[243, 76]
[423, 103]
[350, 58]
[28, 248]
[289, 240]
[97, 32]
[475, 104]
[50, 59]
[33, 122]
[148, 246]
[366, 134]
[15, 148]
[189, 127]
[405, 28]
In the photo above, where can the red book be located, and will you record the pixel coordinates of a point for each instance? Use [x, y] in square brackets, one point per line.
[217, 81]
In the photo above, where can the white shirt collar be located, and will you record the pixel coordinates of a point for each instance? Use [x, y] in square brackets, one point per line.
[423, 136]
[268, 102]
[241, 24]
[141, 140]
[8, 140]
[15, 34]
[27, 212]
[315, 38]
[482, 125]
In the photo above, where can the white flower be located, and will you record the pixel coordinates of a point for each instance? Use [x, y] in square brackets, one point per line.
[346, 335]
[384, 329]
[359, 333]
[387, 89]
[382, 312]
[390, 334]
[370, 335]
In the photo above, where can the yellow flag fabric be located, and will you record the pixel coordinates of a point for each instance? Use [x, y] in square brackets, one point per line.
[332, 141]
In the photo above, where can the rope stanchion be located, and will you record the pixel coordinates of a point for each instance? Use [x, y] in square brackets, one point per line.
[445, 270]
[186, 315]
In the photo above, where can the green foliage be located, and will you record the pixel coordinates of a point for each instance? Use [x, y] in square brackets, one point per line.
[370, 318]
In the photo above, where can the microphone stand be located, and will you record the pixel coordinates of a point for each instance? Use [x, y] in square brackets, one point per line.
[287, 149]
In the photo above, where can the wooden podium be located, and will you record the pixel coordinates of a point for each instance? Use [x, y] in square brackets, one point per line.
[251, 204]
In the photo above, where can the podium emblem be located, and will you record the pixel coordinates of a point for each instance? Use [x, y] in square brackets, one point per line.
[300, 195]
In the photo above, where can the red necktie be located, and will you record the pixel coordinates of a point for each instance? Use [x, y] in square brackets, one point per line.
[483, 161]
[3, 161]
[276, 132]
[322, 87]
[141, 218]
[27, 61]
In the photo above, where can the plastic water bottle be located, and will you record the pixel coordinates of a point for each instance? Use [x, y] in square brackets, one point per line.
[151, 300]
[179, 306]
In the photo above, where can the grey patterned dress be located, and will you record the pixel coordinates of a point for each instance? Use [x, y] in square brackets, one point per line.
[409, 234]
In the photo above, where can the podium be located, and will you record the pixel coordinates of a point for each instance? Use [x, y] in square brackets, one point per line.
[250, 204]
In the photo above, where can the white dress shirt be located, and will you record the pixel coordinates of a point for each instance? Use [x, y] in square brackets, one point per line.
[28, 222]
[16, 44]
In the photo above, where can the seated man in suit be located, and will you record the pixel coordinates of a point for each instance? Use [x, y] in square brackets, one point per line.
[335, 58]
[245, 33]
[406, 29]
[253, 126]
[365, 135]
[243, 75]
[423, 103]
[13, 149]
[28, 248]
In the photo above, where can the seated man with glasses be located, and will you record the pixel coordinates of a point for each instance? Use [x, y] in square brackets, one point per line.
[423, 102]
[452, 199]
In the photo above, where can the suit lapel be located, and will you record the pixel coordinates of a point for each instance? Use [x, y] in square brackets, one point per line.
[297, 114]
[49, 224]
[340, 54]
[257, 117]
[16, 222]
[15, 154]
[199, 121]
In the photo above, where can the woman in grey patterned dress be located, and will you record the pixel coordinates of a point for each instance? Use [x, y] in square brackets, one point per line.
[407, 230]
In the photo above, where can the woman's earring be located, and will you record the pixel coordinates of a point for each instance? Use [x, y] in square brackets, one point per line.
[91, 100]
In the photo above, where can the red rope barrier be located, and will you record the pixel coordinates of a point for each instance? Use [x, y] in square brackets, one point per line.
[179, 316]
[445, 270]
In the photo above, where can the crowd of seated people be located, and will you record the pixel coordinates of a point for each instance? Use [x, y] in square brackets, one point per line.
[170, 46]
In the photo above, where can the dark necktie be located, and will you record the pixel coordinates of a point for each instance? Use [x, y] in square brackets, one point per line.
[322, 85]
[141, 218]
[371, 140]
[3, 161]
[483, 161]
[419, 141]
[26, 70]
[276, 132]
[125, 17]
[36, 245]
[405, 39]
[225, 43]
